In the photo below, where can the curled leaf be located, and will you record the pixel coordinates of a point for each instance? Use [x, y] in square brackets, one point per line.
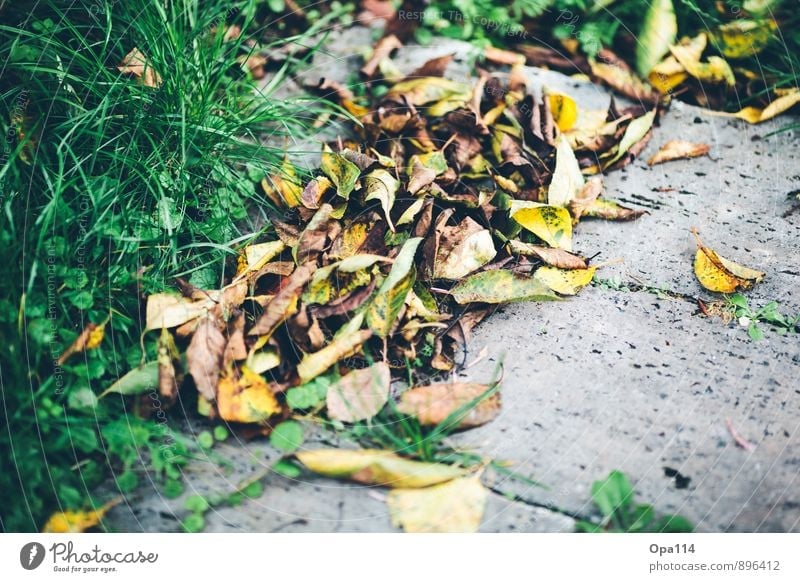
[381, 314]
[312, 365]
[564, 110]
[89, 339]
[678, 149]
[376, 467]
[567, 177]
[555, 257]
[717, 273]
[382, 186]
[778, 106]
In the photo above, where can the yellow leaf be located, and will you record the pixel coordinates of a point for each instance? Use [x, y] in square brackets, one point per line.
[678, 149]
[667, 75]
[555, 257]
[96, 337]
[90, 338]
[566, 282]
[360, 394]
[454, 507]
[552, 224]
[256, 256]
[76, 521]
[312, 365]
[377, 467]
[717, 273]
[246, 399]
[688, 54]
[564, 110]
[425, 90]
[744, 38]
[756, 115]
[284, 187]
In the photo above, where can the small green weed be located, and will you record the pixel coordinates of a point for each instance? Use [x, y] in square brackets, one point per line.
[769, 314]
[614, 497]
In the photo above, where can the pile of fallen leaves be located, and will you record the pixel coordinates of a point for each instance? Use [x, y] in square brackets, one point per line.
[456, 198]
[452, 199]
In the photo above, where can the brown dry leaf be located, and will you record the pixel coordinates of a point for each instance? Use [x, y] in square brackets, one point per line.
[615, 73]
[502, 56]
[377, 467]
[284, 304]
[555, 257]
[376, 10]
[432, 404]
[434, 67]
[89, 339]
[717, 273]
[247, 398]
[678, 149]
[384, 47]
[135, 63]
[167, 310]
[314, 237]
[255, 63]
[453, 507]
[204, 356]
[605, 209]
[360, 394]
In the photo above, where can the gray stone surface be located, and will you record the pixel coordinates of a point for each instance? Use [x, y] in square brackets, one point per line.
[611, 379]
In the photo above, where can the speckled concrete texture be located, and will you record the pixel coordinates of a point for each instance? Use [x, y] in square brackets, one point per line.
[620, 377]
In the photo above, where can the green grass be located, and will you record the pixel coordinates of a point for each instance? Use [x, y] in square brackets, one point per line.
[110, 189]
